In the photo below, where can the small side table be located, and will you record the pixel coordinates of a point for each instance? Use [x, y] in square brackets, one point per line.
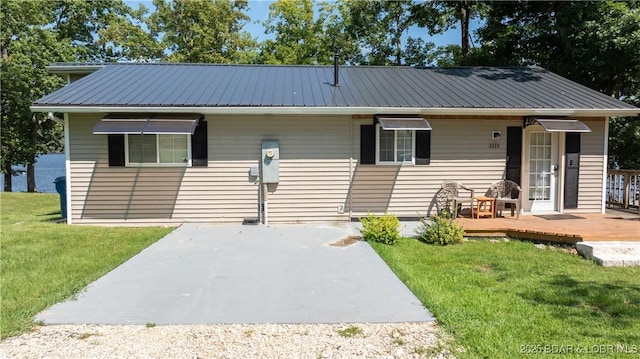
[486, 207]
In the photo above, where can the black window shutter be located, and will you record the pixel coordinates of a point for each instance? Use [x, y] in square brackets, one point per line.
[199, 150]
[116, 150]
[423, 147]
[367, 144]
[514, 154]
[572, 169]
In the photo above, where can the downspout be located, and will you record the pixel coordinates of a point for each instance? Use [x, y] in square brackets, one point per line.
[67, 162]
[265, 204]
[67, 167]
[350, 167]
[605, 165]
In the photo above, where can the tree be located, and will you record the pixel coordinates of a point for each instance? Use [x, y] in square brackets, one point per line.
[440, 16]
[125, 39]
[298, 36]
[624, 142]
[602, 37]
[379, 26]
[36, 33]
[203, 30]
[306, 32]
[28, 45]
[81, 22]
[25, 135]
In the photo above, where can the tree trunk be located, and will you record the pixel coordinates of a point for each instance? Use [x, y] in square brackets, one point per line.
[464, 28]
[31, 177]
[31, 169]
[398, 42]
[7, 182]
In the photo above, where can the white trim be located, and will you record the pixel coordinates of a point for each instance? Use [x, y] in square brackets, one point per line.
[157, 164]
[560, 177]
[275, 110]
[605, 166]
[553, 201]
[395, 147]
[67, 166]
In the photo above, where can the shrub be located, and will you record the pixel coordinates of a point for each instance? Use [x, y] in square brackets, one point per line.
[384, 229]
[440, 229]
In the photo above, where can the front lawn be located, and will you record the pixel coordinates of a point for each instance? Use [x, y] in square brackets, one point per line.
[511, 299]
[43, 262]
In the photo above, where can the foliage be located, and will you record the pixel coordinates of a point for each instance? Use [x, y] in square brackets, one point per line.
[440, 229]
[603, 37]
[624, 143]
[495, 298]
[203, 30]
[384, 229]
[26, 50]
[309, 32]
[125, 38]
[44, 262]
[440, 16]
[36, 33]
[350, 331]
[298, 36]
[378, 26]
[78, 23]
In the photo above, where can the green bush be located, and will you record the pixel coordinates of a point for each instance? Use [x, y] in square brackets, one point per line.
[384, 229]
[440, 229]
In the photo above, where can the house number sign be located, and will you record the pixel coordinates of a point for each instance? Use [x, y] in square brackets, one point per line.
[494, 145]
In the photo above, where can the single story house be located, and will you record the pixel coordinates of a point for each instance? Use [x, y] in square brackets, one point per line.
[171, 143]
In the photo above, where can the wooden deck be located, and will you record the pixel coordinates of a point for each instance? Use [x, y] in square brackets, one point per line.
[565, 228]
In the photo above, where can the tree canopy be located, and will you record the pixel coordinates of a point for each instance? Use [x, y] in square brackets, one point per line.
[595, 43]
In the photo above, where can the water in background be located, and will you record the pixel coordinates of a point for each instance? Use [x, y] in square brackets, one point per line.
[48, 167]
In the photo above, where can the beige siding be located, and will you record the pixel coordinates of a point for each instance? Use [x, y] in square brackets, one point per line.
[459, 151]
[319, 171]
[591, 167]
[314, 174]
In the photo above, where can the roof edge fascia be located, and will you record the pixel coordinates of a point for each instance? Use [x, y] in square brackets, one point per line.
[343, 110]
[73, 69]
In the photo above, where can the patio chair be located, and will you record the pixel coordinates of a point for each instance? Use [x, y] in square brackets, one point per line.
[507, 192]
[456, 198]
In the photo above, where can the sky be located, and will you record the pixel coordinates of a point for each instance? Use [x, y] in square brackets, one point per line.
[259, 10]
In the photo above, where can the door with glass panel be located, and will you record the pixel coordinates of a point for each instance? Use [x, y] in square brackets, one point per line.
[541, 156]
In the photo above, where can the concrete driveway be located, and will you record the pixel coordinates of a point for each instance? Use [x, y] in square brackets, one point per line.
[205, 274]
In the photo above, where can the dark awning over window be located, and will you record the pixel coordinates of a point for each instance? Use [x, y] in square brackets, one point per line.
[147, 124]
[562, 125]
[403, 123]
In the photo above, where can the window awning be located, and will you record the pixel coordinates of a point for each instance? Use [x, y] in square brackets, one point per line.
[562, 125]
[138, 124]
[403, 123]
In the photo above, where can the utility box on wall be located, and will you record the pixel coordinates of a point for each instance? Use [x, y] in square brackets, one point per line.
[270, 161]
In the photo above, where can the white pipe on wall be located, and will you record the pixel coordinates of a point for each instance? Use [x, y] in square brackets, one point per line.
[265, 204]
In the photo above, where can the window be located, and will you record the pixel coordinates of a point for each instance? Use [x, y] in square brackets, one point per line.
[160, 149]
[394, 146]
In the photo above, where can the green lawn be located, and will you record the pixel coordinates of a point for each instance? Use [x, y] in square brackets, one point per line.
[43, 262]
[510, 299]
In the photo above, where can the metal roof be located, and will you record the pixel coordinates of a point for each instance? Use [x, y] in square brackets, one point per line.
[211, 88]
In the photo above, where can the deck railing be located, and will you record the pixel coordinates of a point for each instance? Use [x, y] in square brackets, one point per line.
[623, 188]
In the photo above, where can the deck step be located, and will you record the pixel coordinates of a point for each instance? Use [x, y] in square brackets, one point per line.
[611, 254]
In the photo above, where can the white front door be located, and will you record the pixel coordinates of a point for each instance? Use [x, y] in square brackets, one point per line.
[541, 158]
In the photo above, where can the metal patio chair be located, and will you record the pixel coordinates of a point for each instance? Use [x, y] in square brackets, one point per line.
[455, 198]
[507, 192]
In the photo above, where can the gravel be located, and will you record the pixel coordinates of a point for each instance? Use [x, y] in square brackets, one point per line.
[387, 340]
